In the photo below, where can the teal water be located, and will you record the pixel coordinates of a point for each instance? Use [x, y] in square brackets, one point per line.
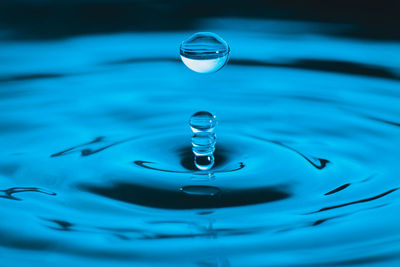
[97, 167]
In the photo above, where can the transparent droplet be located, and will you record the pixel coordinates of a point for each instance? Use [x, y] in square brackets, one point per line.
[203, 124]
[203, 121]
[204, 52]
[204, 163]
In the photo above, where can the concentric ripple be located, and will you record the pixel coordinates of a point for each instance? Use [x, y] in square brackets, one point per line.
[98, 151]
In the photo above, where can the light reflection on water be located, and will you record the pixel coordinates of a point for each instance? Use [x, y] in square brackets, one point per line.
[97, 166]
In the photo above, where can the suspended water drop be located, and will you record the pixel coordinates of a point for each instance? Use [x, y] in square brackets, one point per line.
[204, 52]
[203, 125]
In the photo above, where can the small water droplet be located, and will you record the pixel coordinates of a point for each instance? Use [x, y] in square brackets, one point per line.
[203, 125]
[204, 163]
[204, 52]
[201, 190]
[203, 121]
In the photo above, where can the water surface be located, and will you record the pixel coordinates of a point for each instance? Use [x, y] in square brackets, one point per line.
[96, 163]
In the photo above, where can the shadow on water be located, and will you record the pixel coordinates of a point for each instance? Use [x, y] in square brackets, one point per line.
[30, 77]
[9, 193]
[84, 152]
[318, 163]
[356, 202]
[85, 149]
[335, 66]
[60, 225]
[175, 198]
[338, 189]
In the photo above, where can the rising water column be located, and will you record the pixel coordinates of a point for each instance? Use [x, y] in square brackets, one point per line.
[203, 125]
[204, 52]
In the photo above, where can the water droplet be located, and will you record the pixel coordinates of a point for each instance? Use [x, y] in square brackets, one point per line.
[201, 190]
[204, 52]
[203, 121]
[204, 163]
[203, 125]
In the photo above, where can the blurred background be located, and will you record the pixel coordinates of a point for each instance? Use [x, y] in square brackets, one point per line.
[41, 19]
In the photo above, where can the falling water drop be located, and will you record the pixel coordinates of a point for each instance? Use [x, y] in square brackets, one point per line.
[204, 52]
[203, 125]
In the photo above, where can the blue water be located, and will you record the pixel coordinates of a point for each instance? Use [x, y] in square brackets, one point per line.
[97, 167]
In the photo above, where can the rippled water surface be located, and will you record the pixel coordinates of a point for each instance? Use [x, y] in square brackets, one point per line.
[96, 163]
